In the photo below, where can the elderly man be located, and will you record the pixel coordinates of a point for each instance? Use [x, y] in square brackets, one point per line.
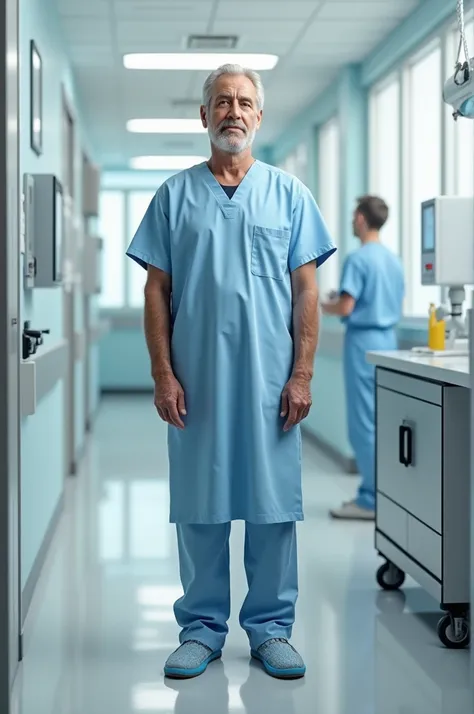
[231, 321]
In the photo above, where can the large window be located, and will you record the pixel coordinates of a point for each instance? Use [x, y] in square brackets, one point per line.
[329, 198]
[120, 215]
[423, 158]
[385, 149]
[112, 231]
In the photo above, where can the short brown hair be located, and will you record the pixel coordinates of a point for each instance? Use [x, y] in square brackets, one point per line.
[374, 210]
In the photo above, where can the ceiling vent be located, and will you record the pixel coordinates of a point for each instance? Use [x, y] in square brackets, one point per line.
[212, 42]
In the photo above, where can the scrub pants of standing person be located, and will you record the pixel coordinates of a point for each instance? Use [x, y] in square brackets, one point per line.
[360, 397]
[272, 576]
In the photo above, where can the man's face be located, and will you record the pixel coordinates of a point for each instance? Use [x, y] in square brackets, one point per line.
[233, 117]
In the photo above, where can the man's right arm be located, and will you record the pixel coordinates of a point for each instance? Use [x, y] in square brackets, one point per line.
[169, 394]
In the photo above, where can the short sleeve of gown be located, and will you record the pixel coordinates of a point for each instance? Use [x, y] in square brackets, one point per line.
[151, 243]
[310, 239]
[352, 280]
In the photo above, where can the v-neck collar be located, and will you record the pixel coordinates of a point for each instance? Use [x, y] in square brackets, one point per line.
[242, 189]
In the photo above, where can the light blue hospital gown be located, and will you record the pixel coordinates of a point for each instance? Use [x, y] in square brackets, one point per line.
[373, 276]
[232, 348]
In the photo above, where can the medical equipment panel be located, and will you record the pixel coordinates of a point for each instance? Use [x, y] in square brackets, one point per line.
[48, 227]
[447, 241]
[423, 487]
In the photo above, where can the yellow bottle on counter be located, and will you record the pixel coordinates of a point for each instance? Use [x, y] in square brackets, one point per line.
[436, 331]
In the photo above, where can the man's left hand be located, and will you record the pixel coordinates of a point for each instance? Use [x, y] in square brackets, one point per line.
[296, 401]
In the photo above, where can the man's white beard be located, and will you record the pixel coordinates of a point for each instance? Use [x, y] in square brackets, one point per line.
[231, 143]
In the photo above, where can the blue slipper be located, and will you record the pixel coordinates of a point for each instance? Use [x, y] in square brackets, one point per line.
[280, 659]
[190, 660]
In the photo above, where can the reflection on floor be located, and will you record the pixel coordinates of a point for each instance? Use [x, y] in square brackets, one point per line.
[102, 624]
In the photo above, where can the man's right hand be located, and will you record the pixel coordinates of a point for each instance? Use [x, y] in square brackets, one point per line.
[169, 401]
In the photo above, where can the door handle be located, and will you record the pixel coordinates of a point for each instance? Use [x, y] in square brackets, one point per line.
[405, 445]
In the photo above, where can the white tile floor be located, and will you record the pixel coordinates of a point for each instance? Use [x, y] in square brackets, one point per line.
[101, 625]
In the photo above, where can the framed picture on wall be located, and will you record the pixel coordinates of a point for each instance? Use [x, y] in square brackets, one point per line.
[36, 88]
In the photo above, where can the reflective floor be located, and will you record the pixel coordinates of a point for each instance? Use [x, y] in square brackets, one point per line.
[101, 624]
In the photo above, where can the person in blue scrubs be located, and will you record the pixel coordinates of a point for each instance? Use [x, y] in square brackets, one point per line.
[370, 302]
[231, 321]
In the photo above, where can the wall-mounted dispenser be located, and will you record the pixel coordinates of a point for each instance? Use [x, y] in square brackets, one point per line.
[44, 218]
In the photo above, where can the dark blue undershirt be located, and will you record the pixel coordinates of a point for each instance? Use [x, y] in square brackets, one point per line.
[229, 190]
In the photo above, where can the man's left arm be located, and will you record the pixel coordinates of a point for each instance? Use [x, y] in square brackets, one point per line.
[296, 398]
[310, 246]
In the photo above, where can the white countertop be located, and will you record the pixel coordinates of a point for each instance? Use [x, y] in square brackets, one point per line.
[449, 370]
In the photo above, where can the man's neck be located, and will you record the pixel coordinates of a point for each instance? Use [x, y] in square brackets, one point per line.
[370, 237]
[230, 168]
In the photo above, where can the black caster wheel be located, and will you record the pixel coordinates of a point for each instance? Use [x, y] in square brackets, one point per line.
[389, 577]
[454, 632]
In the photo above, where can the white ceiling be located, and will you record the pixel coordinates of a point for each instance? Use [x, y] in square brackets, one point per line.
[313, 38]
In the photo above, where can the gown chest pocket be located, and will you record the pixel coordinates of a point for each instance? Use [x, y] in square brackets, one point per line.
[270, 252]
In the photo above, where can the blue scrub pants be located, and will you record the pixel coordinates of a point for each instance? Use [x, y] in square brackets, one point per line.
[360, 398]
[272, 577]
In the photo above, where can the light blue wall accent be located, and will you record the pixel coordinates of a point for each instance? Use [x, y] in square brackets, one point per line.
[406, 38]
[124, 361]
[327, 418]
[42, 457]
[265, 154]
[302, 127]
[94, 385]
[42, 435]
[352, 114]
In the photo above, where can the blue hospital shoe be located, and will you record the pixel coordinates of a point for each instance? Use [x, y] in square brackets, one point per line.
[280, 659]
[190, 660]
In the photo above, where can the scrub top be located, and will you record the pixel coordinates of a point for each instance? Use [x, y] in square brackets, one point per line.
[230, 262]
[373, 276]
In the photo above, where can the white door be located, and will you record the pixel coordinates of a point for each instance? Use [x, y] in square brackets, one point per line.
[10, 606]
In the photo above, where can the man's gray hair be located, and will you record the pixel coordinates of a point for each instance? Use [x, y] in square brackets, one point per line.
[233, 69]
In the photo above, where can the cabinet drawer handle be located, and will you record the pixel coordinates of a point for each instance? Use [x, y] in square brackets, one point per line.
[405, 445]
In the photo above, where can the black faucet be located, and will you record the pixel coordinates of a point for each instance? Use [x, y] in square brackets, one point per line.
[32, 339]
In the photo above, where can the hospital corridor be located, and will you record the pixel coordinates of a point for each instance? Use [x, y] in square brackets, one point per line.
[102, 621]
[236, 356]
